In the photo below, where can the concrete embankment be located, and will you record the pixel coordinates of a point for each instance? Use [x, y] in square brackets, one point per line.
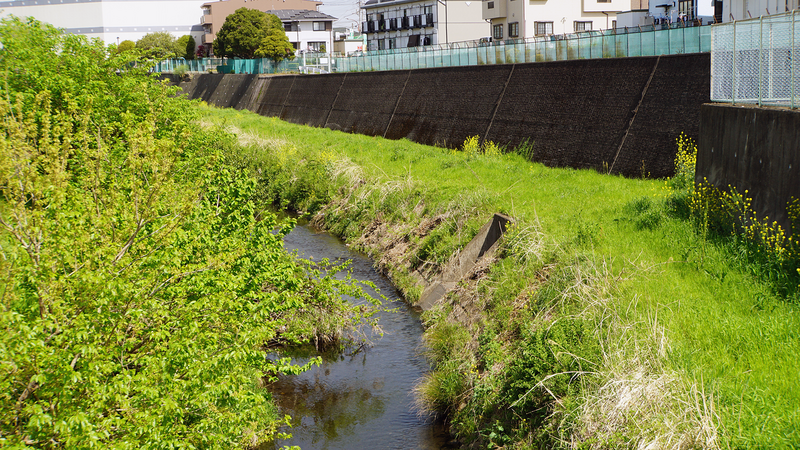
[620, 115]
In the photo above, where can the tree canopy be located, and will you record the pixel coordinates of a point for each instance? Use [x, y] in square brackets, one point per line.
[141, 283]
[160, 45]
[186, 45]
[249, 33]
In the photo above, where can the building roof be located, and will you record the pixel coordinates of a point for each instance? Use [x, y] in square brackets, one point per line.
[375, 3]
[296, 15]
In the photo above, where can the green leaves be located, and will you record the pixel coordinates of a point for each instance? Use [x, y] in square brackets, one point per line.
[140, 287]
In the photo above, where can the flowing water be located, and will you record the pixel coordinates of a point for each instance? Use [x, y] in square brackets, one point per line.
[363, 400]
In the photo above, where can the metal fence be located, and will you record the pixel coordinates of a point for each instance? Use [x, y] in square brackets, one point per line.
[616, 43]
[621, 42]
[752, 61]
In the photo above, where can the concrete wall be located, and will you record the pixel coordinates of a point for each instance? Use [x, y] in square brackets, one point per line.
[620, 115]
[753, 149]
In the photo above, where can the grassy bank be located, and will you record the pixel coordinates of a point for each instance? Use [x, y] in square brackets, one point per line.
[607, 319]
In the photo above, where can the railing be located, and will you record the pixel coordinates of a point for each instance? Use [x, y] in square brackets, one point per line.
[622, 42]
[752, 61]
[248, 66]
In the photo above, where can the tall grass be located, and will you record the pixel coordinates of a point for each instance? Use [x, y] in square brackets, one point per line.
[609, 319]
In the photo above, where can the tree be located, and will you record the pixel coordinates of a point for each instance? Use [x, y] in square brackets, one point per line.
[125, 46]
[276, 46]
[160, 45]
[187, 44]
[241, 34]
[140, 282]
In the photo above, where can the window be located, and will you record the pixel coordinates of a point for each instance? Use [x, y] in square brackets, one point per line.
[427, 40]
[542, 28]
[381, 44]
[603, 1]
[428, 10]
[583, 26]
[319, 26]
[287, 26]
[497, 31]
[490, 5]
[316, 47]
[393, 43]
[513, 29]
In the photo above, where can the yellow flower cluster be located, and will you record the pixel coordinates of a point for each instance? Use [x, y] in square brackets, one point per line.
[472, 147]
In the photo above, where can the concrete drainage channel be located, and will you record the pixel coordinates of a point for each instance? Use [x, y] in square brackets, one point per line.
[483, 245]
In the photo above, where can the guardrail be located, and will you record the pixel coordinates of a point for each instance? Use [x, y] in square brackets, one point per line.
[753, 61]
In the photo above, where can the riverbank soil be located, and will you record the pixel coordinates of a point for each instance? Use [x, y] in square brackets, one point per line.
[608, 318]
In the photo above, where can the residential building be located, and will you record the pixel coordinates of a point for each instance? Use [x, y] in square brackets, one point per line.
[731, 10]
[511, 19]
[214, 13]
[411, 23]
[307, 30]
[112, 21]
[347, 41]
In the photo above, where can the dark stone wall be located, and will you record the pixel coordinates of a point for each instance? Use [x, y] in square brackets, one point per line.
[444, 107]
[620, 114]
[671, 105]
[366, 102]
[274, 98]
[311, 99]
[753, 149]
[575, 113]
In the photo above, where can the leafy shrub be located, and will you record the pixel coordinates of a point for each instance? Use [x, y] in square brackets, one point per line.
[140, 285]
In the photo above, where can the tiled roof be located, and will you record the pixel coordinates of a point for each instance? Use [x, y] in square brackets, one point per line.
[299, 14]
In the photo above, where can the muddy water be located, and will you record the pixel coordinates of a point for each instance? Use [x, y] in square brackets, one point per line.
[363, 400]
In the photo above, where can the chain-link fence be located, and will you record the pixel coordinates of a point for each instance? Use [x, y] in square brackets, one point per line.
[752, 61]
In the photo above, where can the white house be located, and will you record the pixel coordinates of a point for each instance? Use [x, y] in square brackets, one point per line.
[412, 23]
[113, 21]
[511, 19]
[745, 9]
[307, 30]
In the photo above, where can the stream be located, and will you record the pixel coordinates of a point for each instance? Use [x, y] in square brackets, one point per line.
[363, 401]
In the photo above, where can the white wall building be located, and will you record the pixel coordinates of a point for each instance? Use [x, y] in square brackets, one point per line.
[413, 23]
[307, 30]
[511, 19]
[113, 21]
[746, 9]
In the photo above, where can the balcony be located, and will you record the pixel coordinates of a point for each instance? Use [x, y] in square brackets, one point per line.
[206, 18]
[429, 20]
[382, 25]
[393, 24]
[404, 23]
[417, 21]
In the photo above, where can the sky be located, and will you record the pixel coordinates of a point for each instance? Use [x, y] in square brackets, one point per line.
[345, 11]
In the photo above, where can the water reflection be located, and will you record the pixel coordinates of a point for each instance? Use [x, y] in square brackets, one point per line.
[363, 401]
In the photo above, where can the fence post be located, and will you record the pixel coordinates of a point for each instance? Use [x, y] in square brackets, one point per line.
[791, 67]
[733, 67]
[760, 55]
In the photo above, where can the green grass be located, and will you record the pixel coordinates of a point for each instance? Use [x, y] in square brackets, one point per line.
[654, 295]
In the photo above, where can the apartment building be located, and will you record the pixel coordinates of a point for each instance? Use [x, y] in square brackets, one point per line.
[412, 23]
[214, 13]
[512, 19]
[731, 10]
[112, 21]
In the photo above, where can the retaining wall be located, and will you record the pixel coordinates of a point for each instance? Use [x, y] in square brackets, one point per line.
[620, 115]
[753, 149]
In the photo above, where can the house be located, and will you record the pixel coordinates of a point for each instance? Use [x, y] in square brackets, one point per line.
[214, 13]
[413, 23]
[347, 41]
[511, 19]
[731, 10]
[113, 21]
[307, 30]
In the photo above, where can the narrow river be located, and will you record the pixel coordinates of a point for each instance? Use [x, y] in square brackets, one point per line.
[364, 401]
